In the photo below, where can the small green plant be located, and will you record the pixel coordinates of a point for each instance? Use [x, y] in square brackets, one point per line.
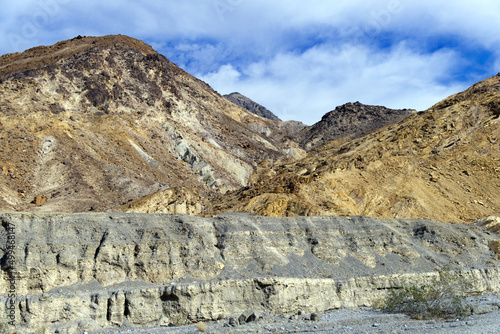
[443, 297]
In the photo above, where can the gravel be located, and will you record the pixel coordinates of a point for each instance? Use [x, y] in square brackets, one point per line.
[486, 319]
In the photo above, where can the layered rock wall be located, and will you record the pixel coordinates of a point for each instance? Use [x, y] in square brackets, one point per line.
[76, 272]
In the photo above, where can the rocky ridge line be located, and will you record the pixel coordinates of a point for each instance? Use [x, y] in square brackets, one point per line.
[95, 122]
[441, 164]
[350, 121]
[251, 106]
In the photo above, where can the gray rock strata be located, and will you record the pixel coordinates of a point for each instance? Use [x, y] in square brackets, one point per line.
[82, 272]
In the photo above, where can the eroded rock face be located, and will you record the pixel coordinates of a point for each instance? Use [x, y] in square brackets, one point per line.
[103, 270]
[174, 200]
[93, 123]
[492, 223]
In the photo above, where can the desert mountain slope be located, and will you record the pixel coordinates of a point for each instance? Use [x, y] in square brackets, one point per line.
[92, 123]
[442, 164]
[251, 106]
[351, 120]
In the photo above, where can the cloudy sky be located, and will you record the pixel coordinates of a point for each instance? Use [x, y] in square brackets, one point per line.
[300, 59]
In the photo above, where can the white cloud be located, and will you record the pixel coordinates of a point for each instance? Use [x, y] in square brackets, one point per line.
[298, 58]
[307, 85]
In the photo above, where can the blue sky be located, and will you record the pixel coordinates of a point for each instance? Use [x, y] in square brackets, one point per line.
[300, 59]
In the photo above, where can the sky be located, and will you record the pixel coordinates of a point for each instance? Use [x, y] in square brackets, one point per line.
[300, 59]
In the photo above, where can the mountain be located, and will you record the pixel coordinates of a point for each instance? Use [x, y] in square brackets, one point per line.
[93, 123]
[442, 164]
[351, 120]
[107, 123]
[251, 106]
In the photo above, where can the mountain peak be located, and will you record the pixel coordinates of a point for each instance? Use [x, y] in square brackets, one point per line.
[110, 121]
[350, 120]
[251, 106]
[441, 164]
[43, 55]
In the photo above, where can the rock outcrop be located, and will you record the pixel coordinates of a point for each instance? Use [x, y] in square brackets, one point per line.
[441, 164]
[251, 106]
[92, 123]
[79, 272]
[174, 200]
[492, 224]
[350, 121]
[284, 133]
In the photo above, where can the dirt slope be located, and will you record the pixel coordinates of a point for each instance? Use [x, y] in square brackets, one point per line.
[92, 123]
[442, 164]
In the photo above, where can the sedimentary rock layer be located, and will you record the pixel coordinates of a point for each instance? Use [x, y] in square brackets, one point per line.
[89, 271]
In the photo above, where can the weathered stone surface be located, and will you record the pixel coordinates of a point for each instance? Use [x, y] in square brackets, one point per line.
[143, 270]
[173, 200]
[251, 106]
[492, 224]
[483, 309]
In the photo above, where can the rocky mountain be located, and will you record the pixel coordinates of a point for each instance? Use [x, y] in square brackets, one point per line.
[93, 123]
[251, 106]
[442, 164]
[351, 120]
[109, 124]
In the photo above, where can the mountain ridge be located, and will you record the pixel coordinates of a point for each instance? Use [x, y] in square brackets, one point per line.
[251, 106]
[350, 120]
[441, 164]
[106, 123]
[43, 55]
[109, 120]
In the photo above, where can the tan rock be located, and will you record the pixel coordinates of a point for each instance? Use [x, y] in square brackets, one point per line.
[438, 164]
[492, 223]
[174, 200]
[40, 200]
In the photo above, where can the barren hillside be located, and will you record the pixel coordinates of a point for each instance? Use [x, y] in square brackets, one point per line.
[442, 164]
[250, 105]
[92, 123]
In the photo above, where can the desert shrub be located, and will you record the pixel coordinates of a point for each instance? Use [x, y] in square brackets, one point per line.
[444, 297]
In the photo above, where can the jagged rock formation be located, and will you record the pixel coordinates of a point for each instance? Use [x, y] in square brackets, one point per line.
[82, 272]
[92, 123]
[251, 106]
[350, 121]
[441, 164]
